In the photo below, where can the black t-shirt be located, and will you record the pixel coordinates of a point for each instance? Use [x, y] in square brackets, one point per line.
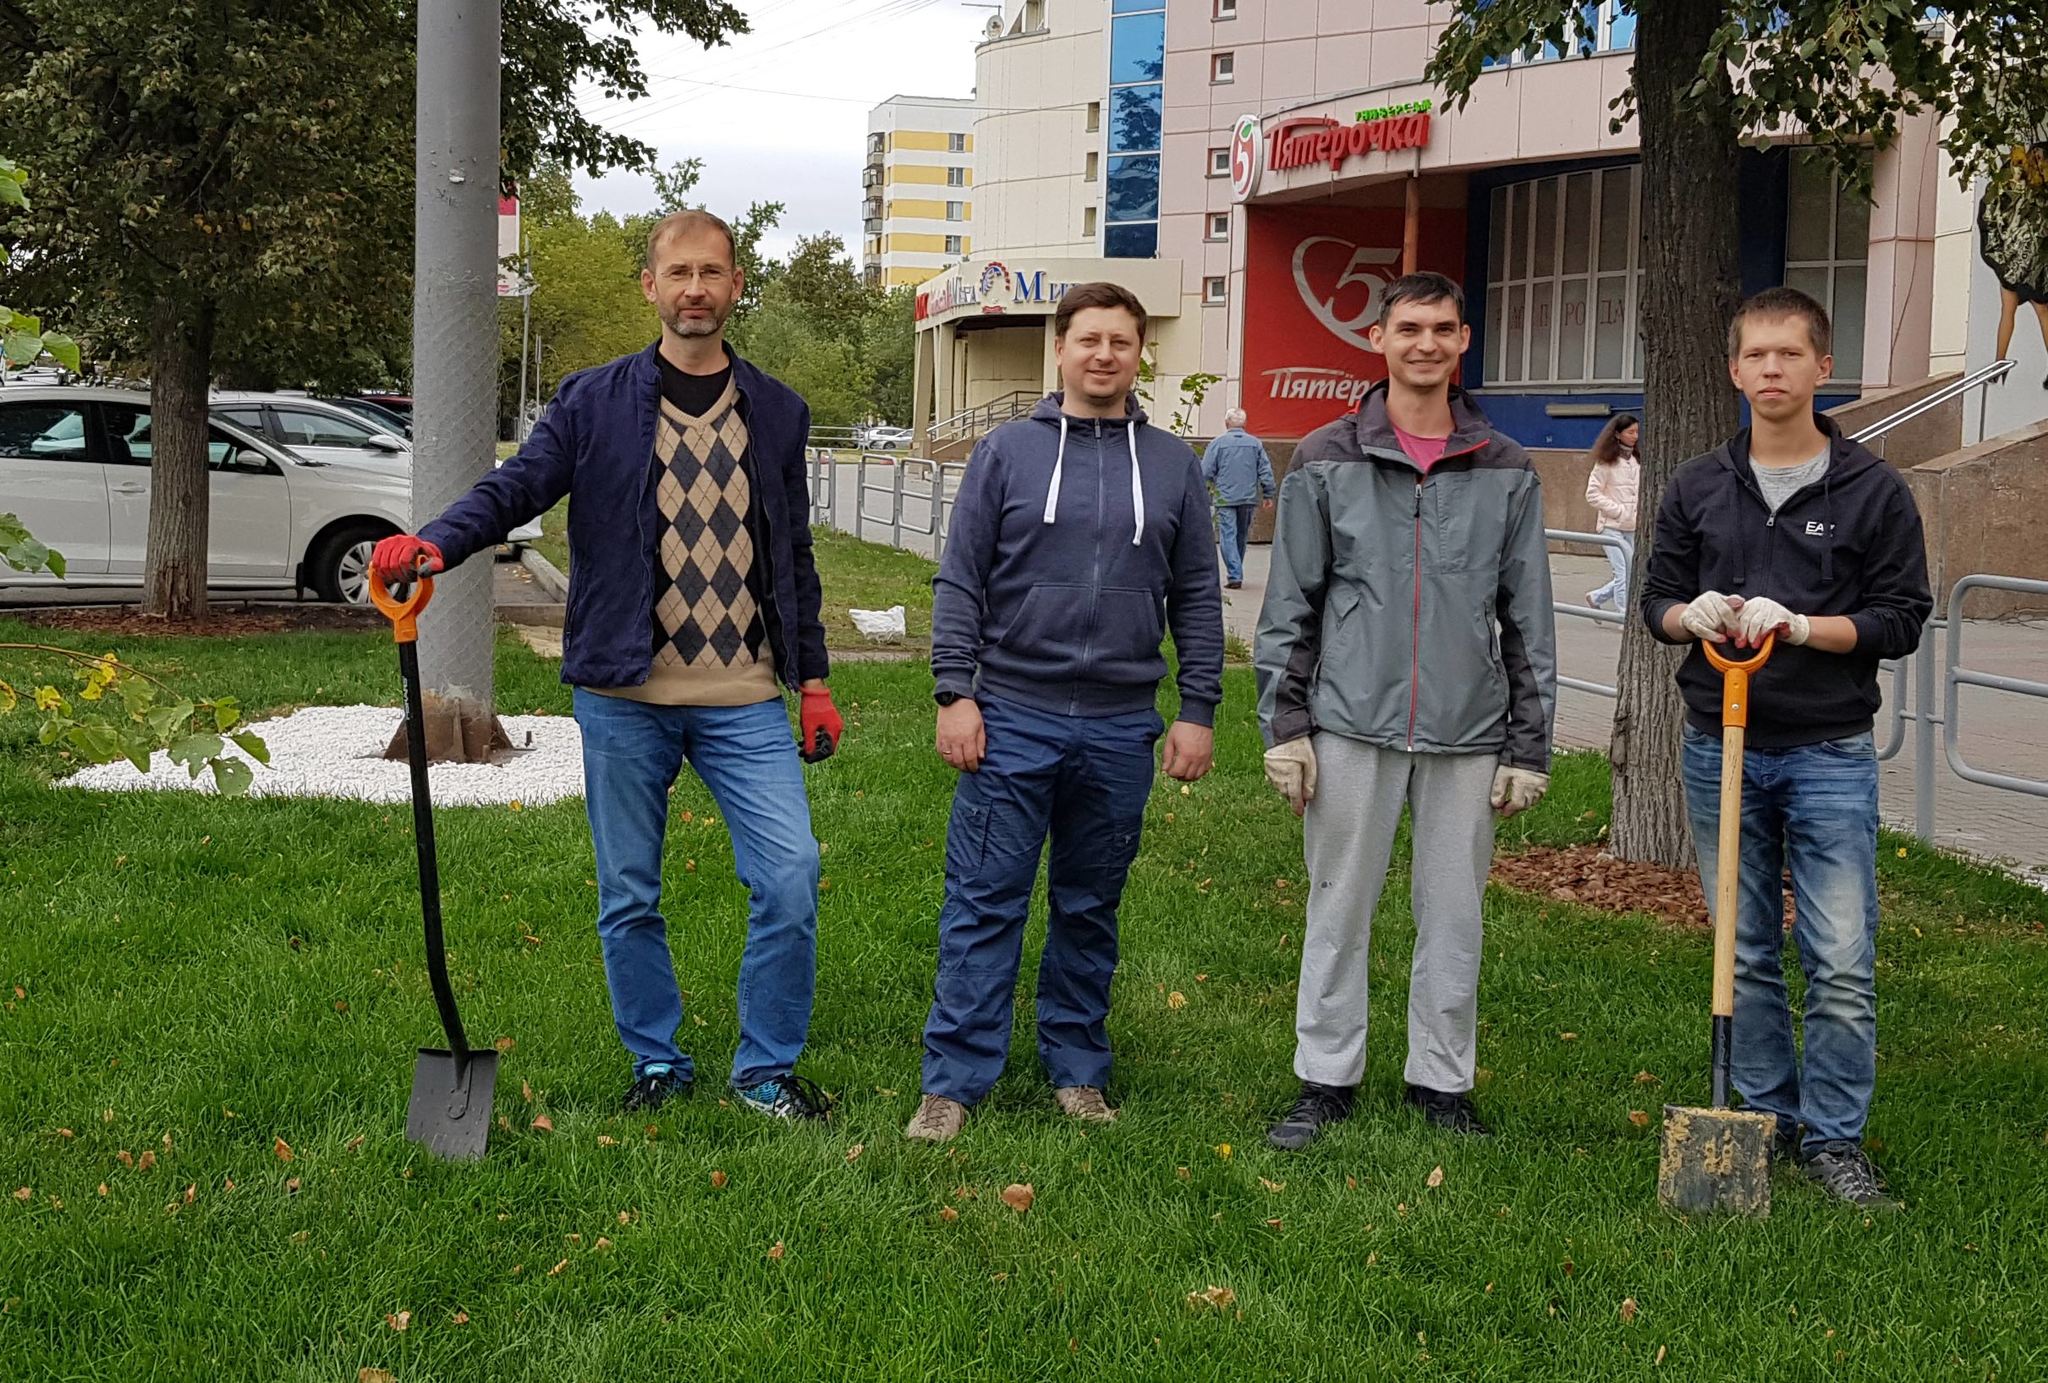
[694, 394]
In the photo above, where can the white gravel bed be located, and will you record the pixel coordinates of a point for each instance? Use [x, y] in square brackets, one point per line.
[337, 751]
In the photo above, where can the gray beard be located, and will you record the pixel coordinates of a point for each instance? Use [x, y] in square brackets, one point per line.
[706, 326]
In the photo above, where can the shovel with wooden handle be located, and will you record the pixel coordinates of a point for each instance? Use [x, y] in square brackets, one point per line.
[450, 1110]
[1719, 1159]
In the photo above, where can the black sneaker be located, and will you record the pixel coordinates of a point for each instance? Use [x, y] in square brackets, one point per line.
[1447, 1111]
[655, 1087]
[1845, 1171]
[1785, 1145]
[1317, 1105]
[788, 1096]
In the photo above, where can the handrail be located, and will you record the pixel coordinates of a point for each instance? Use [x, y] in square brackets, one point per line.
[1014, 404]
[1976, 379]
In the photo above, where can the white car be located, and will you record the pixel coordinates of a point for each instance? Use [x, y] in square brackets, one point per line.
[74, 466]
[887, 439]
[330, 432]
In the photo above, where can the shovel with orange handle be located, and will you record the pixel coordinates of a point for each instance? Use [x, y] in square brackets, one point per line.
[450, 1110]
[1717, 1158]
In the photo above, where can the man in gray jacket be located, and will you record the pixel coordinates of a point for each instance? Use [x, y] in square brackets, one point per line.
[1406, 653]
[1237, 466]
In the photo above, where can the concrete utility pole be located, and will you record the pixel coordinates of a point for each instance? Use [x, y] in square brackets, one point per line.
[455, 351]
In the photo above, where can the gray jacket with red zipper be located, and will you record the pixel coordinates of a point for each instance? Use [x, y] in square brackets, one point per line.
[1406, 610]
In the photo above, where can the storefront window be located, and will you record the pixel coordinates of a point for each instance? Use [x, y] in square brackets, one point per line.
[1827, 251]
[1137, 61]
[1564, 281]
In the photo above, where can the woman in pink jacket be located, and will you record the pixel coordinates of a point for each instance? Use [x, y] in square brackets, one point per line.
[1611, 490]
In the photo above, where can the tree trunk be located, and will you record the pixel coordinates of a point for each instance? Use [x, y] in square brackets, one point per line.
[181, 362]
[1692, 281]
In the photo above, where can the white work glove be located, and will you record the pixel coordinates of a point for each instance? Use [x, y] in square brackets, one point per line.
[1709, 617]
[1760, 615]
[1291, 769]
[1516, 790]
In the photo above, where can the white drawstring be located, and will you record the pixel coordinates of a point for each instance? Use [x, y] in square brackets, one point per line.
[1052, 496]
[1137, 487]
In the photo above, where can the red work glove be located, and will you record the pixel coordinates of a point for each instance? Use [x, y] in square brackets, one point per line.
[397, 558]
[823, 726]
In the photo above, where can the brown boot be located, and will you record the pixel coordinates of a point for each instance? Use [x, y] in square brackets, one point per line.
[938, 1120]
[1083, 1102]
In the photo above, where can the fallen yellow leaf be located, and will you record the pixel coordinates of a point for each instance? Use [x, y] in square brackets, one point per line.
[504, 1044]
[24, 1193]
[543, 1124]
[400, 1321]
[375, 1376]
[1019, 1195]
[459, 1318]
[1176, 1000]
[103, 1188]
[1276, 1187]
[605, 1140]
[1640, 1118]
[948, 1214]
[1436, 1177]
[1223, 1151]
[280, 1147]
[146, 1161]
[1213, 1297]
[526, 1092]
[853, 1153]
[1628, 1309]
[601, 1245]
[775, 1253]
[556, 1271]
[291, 1186]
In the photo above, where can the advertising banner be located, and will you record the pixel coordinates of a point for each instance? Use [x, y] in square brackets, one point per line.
[1313, 279]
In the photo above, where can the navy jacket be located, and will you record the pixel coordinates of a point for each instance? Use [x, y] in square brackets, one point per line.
[1056, 589]
[1849, 544]
[595, 444]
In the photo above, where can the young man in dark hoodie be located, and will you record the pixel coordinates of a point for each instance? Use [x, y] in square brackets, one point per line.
[1791, 529]
[1406, 654]
[1080, 536]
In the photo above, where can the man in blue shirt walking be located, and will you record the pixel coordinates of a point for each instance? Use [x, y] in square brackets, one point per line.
[1237, 466]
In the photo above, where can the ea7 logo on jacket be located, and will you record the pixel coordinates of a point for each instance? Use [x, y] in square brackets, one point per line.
[1816, 529]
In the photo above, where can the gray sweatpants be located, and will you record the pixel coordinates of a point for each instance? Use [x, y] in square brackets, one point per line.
[1349, 836]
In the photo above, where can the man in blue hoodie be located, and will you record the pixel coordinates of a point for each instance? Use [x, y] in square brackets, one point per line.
[1081, 535]
[1237, 465]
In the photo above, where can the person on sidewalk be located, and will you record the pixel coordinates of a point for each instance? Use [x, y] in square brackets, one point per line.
[1791, 529]
[1237, 466]
[1080, 536]
[1611, 489]
[1406, 653]
[692, 593]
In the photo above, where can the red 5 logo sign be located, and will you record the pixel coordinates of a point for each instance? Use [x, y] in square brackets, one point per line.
[1353, 303]
[1244, 156]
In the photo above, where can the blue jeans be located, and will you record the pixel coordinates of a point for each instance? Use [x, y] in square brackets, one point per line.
[1813, 808]
[747, 757]
[1082, 780]
[1615, 592]
[1233, 535]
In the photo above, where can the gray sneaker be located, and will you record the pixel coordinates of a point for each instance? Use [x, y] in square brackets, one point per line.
[1845, 1171]
[1084, 1102]
[938, 1120]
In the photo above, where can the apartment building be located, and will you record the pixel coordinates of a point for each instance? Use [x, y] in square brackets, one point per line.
[917, 188]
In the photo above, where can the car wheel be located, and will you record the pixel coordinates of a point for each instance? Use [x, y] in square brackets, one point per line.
[340, 570]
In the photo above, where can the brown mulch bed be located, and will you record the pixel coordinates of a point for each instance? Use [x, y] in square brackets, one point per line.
[1591, 878]
[228, 620]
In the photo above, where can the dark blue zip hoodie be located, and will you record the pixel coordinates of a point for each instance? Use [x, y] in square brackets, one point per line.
[1054, 593]
[1848, 544]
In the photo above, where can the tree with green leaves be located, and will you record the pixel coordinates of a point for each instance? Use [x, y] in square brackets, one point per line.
[228, 188]
[1709, 75]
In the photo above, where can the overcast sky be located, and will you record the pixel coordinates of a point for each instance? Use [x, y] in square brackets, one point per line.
[797, 132]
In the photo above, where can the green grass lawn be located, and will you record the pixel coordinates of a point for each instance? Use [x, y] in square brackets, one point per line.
[198, 979]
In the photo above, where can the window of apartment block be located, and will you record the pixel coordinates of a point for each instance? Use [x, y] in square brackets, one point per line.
[1088, 223]
[1226, 9]
[956, 143]
[1223, 67]
[1214, 288]
[1137, 67]
[1219, 225]
[952, 244]
[1564, 280]
[1092, 169]
[1094, 116]
[956, 211]
[1219, 163]
[1827, 249]
[956, 177]
[1602, 26]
